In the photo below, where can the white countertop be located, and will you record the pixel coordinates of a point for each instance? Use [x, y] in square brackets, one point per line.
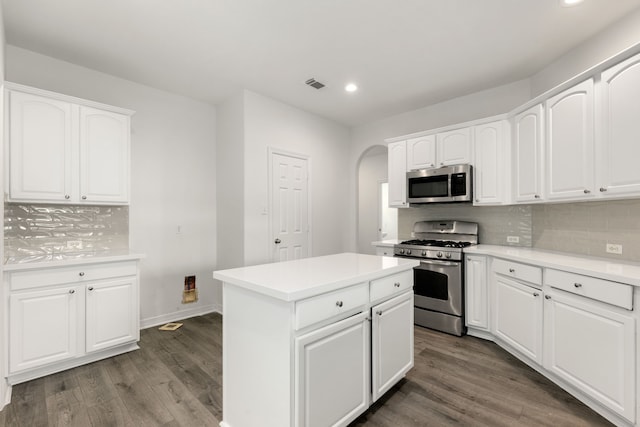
[618, 271]
[386, 243]
[31, 263]
[303, 278]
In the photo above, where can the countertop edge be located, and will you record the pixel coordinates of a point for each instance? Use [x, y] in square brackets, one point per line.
[623, 272]
[71, 262]
[316, 290]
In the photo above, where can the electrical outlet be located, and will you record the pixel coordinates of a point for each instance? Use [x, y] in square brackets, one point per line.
[513, 239]
[614, 249]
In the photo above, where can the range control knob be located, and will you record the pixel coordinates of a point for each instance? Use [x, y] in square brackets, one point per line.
[447, 255]
[439, 254]
[401, 251]
[424, 253]
[408, 251]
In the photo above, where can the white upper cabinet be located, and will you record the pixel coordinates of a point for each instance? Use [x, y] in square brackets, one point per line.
[527, 156]
[453, 147]
[490, 165]
[397, 174]
[570, 143]
[619, 142]
[421, 152]
[40, 147]
[61, 151]
[104, 156]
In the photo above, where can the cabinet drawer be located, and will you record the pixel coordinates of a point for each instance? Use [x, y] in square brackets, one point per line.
[606, 291]
[321, 307]
[384, 250]
[519, 271]
[390, 285]
[77, 274]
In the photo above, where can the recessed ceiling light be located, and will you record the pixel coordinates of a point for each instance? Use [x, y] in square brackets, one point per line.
[351, 87]
[568, 3]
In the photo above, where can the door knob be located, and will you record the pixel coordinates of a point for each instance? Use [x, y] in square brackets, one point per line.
[277, 241]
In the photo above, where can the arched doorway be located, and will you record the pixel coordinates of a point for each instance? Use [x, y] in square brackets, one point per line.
[376, 221]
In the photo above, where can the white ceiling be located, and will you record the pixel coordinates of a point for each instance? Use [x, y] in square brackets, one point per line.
[403, 54]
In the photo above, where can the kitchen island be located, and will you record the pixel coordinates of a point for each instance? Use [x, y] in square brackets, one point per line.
[314, 342]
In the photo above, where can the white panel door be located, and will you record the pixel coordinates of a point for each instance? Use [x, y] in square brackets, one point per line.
[41, 138]
[421, 152]
[454, 147]
[392, 342]
[517, 314]
[104, 156]
[593, 348]
[490, 166]
[42, 327]
[528, 140]
[332, 373]
[477, 292]
[111, 313]
[290, 207]
[619, 146]
[569, 143]
[397, 174]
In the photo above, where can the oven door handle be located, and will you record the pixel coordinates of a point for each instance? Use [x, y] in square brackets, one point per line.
[438, 262]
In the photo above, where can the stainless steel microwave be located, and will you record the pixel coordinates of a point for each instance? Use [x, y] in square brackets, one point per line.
[441, 185]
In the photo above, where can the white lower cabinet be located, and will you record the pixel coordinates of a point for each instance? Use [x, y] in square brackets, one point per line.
[592, 347]
[111, 314]
[68, 316]
[476, 293]
[43, 327]
[391, 342]
[518, 316]
[333, 373]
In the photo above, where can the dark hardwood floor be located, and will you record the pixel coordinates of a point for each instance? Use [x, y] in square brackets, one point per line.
[175, 379]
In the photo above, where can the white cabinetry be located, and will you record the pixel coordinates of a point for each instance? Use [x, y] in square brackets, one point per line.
[491, 165]
[421, 152]
[527, 155]
[43, 327]
[61, 151]
[570, 143]
[453, 147]
[392, 342]
[476, 293]
[592, 347]
[397, 174]
[68, 316]
[618, 146]
[333, 373]
[324, 356]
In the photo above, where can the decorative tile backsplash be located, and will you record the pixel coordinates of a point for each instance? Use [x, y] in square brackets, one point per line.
[33, 232]
[495, 223]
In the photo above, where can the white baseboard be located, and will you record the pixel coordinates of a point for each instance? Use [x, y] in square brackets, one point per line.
[178, 315]
[5, 394]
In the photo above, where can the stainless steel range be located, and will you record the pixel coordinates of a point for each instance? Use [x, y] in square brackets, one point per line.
[439, 279]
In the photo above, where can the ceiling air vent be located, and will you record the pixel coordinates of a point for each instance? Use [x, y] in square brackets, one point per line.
[314, 83]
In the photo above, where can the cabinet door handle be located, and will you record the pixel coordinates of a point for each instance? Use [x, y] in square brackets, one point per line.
[339, 303]
[397, 284]
[277, 241]
[66, 196]
[537, 196]
[587, 191]
[512, 270]
[81, 274]
[535, 294]
[547, 297]
[72, 291]
[379, 312]
[84, 197]
[603, 189]
[90, 288]
[577, 285]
